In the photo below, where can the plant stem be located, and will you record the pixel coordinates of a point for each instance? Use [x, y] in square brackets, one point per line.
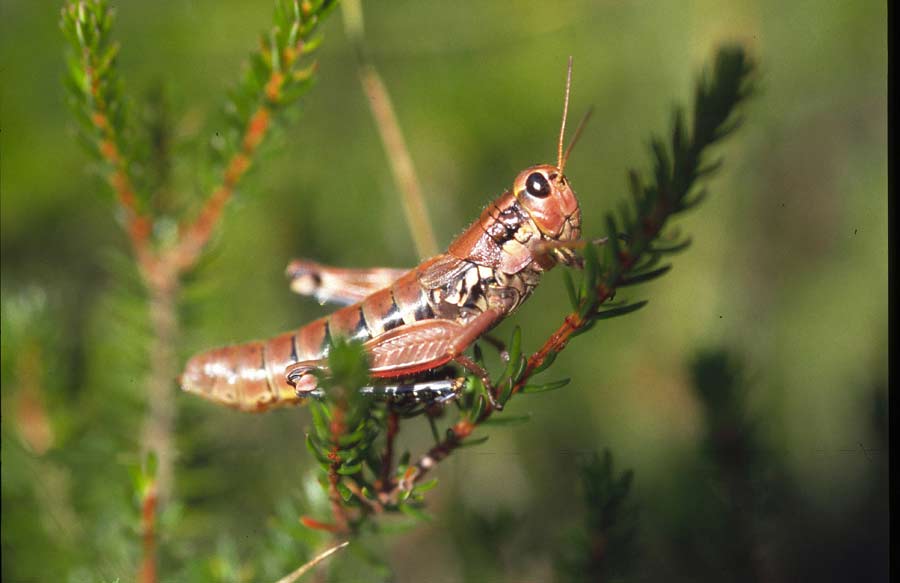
[395, 147]
[387, 461]
[163, 288]
[147, 572]
[137, 225]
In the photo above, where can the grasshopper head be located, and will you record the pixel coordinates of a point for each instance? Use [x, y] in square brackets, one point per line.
[545, 193]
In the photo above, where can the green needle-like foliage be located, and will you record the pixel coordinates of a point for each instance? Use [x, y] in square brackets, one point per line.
[94, 87]
[636, 242]
[135, 153]
[605, 548]
[739, 482]
[280, 71]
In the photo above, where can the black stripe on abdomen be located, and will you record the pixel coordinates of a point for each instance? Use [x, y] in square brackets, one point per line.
[361, 332]
[393, 319]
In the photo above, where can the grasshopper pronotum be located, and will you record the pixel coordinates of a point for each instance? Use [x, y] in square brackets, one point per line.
[410, 321]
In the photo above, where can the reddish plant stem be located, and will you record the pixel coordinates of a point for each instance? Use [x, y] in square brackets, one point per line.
[370, 505]
[387, 460]
[137, 225]
[194, 236]
[147, 572]
[314, 524]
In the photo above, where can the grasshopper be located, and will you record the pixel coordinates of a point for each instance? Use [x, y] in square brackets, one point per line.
[411, 322]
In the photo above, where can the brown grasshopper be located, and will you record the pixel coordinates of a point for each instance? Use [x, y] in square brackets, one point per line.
[414, 321]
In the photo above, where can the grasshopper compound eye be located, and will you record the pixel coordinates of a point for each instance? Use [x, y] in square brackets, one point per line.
[536, 185]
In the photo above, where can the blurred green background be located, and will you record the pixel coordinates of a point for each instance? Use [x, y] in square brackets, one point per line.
[788, 271]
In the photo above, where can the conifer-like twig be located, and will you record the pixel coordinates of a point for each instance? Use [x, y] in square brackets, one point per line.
[148, 534]
[603, 549]
[278, 76]
[95, 97]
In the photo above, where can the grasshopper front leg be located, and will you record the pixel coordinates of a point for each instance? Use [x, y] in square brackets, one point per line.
[564, 251]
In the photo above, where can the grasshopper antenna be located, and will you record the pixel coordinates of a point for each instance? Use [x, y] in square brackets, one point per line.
[560, 160]
[577, 135]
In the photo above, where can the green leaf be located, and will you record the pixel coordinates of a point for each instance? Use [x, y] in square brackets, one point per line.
[643, 276]
[546, 387]
[613, 234]
[349, 470]
[548, 360]
[311, 446]
[515, 352]
[589, 280]
[260, 70]
[416, 513]
[694, 201]
[616, 312]
[345, 455]
[506, 393]
[151, 463]
[425, 486]
[351, 439]
[345, 492]
[520, 369]
[319, 417]
[570, 289]
[586, 327]
[312, 44]
[479, 403]
[473, 441]
[674, 247]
